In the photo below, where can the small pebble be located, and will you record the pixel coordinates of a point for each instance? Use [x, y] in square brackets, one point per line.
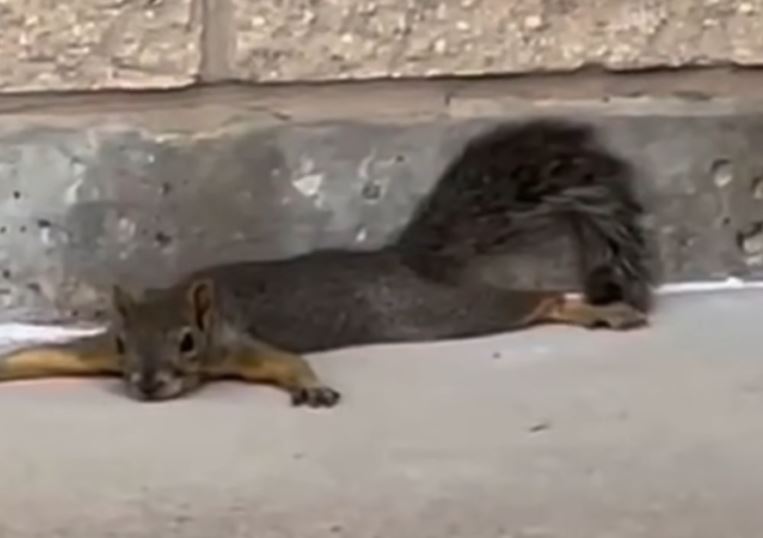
[533, 22]
[540, 427]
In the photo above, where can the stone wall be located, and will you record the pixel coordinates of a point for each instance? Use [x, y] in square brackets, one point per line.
[96, 44]
[135, 144]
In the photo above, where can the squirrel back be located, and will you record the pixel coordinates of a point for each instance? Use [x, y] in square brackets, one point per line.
[505, 182]
[336, 298]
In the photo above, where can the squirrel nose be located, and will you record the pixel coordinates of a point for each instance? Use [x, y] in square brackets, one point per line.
[149, 386]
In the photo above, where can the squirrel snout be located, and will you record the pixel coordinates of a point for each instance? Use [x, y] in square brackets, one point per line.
[148, 387]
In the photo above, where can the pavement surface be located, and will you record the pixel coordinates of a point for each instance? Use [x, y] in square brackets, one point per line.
[552, 432]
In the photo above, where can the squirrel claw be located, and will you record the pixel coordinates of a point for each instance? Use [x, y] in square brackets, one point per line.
[315, 397]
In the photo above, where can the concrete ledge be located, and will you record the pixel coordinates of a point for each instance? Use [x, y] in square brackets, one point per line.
[143, 188]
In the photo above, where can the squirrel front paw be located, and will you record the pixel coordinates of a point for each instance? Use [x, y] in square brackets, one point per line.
[315, 397]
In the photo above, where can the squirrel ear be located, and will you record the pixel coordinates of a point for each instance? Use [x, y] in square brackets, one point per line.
[201, 295]
[121, 300]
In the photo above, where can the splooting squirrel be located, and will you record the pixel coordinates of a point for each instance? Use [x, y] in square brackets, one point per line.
[252, 320]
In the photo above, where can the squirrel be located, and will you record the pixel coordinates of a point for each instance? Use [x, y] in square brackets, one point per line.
[254, 320]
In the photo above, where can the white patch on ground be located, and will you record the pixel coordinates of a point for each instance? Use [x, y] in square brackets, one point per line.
[18, 334]
[730, 283]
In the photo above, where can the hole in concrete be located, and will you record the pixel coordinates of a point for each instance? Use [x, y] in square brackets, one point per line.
[7, 274]
[372, 191]
[725, 221]
[22, 229]
[43, 223]
[34, 287]
[723, 172]
[399, 158]
[16, 195]
[3, 229]
[162, 239]
[165, 189]
[757, 188]
[750, 242]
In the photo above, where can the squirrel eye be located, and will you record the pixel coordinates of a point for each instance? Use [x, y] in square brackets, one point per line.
[187, 344]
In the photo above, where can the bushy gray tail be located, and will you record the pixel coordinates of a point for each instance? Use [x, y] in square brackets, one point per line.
[517, 177]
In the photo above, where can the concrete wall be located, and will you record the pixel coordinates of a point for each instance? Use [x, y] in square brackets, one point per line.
[133, 145]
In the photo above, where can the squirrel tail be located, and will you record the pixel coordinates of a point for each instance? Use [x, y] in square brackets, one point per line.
[519, 177]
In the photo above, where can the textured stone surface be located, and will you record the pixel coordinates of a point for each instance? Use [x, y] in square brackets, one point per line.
[380, 38]
[144, 196]
[550, 433]
[87, 44]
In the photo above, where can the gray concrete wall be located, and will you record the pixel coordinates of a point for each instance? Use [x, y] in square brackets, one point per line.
[134, 146]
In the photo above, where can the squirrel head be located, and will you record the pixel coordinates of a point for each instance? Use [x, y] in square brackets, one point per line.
[163, 339]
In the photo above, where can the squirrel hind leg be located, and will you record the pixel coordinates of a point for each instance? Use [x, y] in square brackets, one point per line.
[603, 285]
[580, 312]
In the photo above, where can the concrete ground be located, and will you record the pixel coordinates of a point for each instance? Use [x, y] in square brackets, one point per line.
[553, 432]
